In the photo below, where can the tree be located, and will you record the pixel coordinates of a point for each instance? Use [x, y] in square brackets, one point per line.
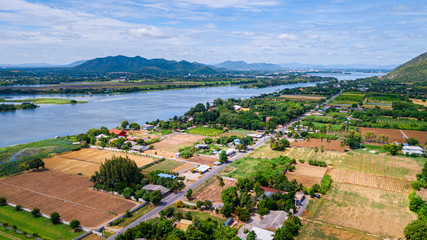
[75, 224]
[189, 193]
[322, 150]
[223, 157]
[353, 140]
[245, 184]
[36, 163]
[316, 149]
[155, 197]
[55, 218]
[207, 204]
[240, 147]
[135, 126]
[124, 124]
[251, 236]
[227, 209]
[179, 204]
[282, 234]
[127, 192]
[199, 204]
[280, 145]
[221, 181]
[416, 230]
[229, 195]
[412, 141]
[35, 212]
[3, 201]
[208, 140]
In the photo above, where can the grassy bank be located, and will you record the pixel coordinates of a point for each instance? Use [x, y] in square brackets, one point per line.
[59, 101]
[25, 222]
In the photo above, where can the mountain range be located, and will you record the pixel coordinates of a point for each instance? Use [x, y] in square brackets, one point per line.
[413, 71]
[243, 66]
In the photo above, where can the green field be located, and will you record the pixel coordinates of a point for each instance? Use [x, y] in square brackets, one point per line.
[205, 131]
[401, 123]
[166, 165]
[45, 101]
[24, 221]
[137, 214]
[348, 98]
[249, 166]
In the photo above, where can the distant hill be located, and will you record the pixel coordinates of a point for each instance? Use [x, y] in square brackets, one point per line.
[243, 66]
[414, 71]
[336, 66]
[142, 65]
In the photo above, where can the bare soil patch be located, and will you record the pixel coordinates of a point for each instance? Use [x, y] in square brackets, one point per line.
[173, 142]
[391, 184]
[87, 161]
[418, 101]
[211, 190]
[334, 145]
[69, 195]
[423, 193]
[319, 230]
[183, 168]
[306, 174]
[203, 160]
[366, 209]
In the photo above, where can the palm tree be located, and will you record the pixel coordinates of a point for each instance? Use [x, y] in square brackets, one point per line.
[322, 150]
[316, 149]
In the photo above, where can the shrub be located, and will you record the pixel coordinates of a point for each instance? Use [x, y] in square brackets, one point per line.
[263, 211]
[55, 218]
[127, 192]
[18, 208]
[75, 224]
[36, 212]
[291, 168]
[3, 201]
[179, 204]
[415, 185]
[325, 184]
[199, 204]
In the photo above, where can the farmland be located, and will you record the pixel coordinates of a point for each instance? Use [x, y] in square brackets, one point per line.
[318, 230]
[349, 98]
[397, 135]
[401, 123]
[306, 174]
[365, 209]
[87, 161]
[370, 180]
[205, 131]
[173, 142]
[166, 165]
[42, 226]
[203, 160]
[333, 145]
[45, 190]
[210, 190]
[249, 166]
[419, 102]
[383, 165]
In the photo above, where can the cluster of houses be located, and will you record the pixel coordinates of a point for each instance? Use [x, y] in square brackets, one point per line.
[129, 138]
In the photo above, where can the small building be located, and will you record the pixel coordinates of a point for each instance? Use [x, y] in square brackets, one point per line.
[202, 146]
[238, 141]
[412, 150]
[202, 168]
[147, 127]
[101, 135]
[151, 188]
[299, 198]
[262, 234]
[230, 152]
[270, 191]
[140, 148]
[267, 119]
[163, 175]
[131, 142]
[228, 222]
[117, 132]
[237, 107]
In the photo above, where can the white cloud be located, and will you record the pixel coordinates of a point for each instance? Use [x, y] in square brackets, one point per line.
[288, 37]
[243, 4]
[151, 32]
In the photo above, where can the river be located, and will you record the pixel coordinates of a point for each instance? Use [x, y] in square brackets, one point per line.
[48, 121]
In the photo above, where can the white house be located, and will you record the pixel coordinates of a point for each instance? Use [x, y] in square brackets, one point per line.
[262, 234]
[101, 135]
[230, 152]
[412, 149]
[202, 168]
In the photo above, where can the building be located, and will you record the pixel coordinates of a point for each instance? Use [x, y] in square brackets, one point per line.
[237, 107]
[229, 221]
[101, 135]
[230, 152]
[163, 175]
[238, 141]
[299, 198]
[147, 127]
[117, 132]
[412, 149]
[262, 234]
[270, 191]
[140, 148]
[202, 146]
[151, 188]
[202, 168]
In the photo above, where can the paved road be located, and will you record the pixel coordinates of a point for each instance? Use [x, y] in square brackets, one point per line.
[172, 198]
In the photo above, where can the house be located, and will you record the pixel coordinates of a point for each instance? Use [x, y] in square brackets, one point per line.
[267, 119]
[163, 175]
[412, 150]
[202, 168]
[270, 191]
[117, 132]
[299, 198]
[202, 146]
[147, 127]
[238, 141]
[230, 152]
[229, 221]
[237, 107]
[101, 135]
[151, 188]
[262, 234]
[140, 148]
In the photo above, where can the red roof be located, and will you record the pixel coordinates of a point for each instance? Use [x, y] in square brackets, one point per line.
[118, 132]
[267, 189]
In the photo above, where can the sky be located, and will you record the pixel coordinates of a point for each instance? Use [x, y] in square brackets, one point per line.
[373, 32]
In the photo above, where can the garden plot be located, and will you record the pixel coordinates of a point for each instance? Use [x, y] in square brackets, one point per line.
[366, 209]
[87, 161]
[69, 195]
[205, 160]
[306, 174]
[318, 231]
[210, 190]
[173, 142]
[397, 135]
[333, 145]
[370, 180]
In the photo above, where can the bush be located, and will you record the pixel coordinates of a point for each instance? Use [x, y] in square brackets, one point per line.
[155, 197]
[415, 185]
[3, 201]
[36, 212]
[75, 224]
[55, 218]
[18, 208]
[188, 216]
[291, 168]
[325, 184]
[263, 211]
[199, 204]
[317, 163]
[179, 204]
[127, 192]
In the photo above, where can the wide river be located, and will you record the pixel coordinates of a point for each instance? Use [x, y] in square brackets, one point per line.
[48, 121]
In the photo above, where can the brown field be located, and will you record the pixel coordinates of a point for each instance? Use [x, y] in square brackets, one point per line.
[418, 101]
[203, 160]
[236, 133]
[69, 195]
[142, 133]
[306, 174]
[370, 180]
[87, 161]
[387, 107]
[366, 209]
[210, 190]
[332, 146]
[176, 141]
[183, 168]
[161, 153]
[318, 230]
[396, 134]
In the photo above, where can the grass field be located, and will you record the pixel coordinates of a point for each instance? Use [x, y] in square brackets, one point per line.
[166, 165]
[348, 98]
[205, 131]
[383, 165]
[318, 231]
[46, 101]
[210, 190]
[306, 174]
[370, 210]
[24, 221]
[249, 166]
[401, 123]
[137, 214]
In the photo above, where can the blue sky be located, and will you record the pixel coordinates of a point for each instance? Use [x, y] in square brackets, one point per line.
[211, 31]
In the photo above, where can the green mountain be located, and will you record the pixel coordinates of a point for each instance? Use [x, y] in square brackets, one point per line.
[414, 71]
[142, 65]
